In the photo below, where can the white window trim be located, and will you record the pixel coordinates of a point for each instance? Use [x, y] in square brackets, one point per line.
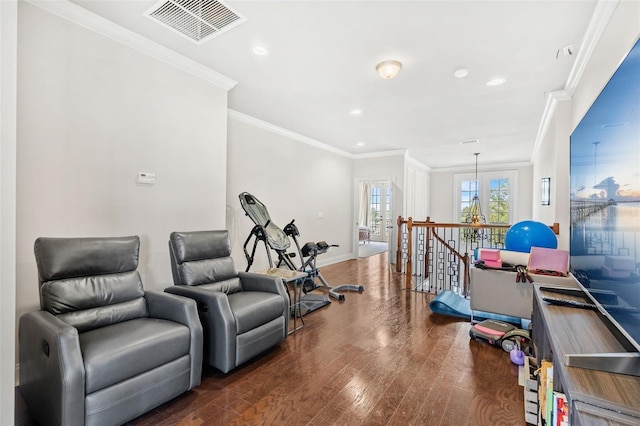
[483, 191]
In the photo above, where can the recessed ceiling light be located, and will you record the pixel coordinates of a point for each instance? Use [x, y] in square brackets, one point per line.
[496, 81]
[260, 50]
[355, 111]
[469, 141]
[461, 73]
[360, 144]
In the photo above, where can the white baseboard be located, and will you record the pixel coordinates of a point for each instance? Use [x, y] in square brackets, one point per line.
[325, 261]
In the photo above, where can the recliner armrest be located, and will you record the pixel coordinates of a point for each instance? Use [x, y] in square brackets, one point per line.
[260, 282]
[216, 317]
[51, 369]
[184, 311]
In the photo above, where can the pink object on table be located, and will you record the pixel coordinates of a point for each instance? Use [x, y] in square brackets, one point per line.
[491, 257]
[548, 261]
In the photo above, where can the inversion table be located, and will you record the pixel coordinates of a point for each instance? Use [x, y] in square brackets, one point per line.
[278, 240]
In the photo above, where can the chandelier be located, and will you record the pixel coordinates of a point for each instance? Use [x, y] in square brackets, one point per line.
[474, 216]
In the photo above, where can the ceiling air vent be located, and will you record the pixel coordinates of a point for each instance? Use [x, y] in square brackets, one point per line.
[198, 20]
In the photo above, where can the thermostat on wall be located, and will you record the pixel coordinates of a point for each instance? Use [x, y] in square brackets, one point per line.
[146, 178]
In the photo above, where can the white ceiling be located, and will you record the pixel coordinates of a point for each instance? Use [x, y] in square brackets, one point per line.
[322, 63]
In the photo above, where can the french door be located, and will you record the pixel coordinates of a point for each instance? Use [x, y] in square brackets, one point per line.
[380, 211]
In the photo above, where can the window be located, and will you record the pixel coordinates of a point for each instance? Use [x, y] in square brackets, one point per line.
[496, 191]
[468, 189]
[499, 201]
[388, 212]
[374, 214]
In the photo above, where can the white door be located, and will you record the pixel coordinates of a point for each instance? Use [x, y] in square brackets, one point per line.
[380, 211]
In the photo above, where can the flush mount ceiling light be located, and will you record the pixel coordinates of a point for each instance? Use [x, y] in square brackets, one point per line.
[388, 69]
[355, 111]
[461, 73]
[496, 81]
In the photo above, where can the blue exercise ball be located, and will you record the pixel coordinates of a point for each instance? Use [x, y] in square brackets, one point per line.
[526, 234]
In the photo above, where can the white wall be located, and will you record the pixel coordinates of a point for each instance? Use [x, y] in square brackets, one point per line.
[294, 181]
[417, 184]
[8, 70]
[91, 114]
[552, 160]
[442, 192]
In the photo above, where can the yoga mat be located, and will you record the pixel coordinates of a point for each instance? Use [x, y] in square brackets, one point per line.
[450, 304]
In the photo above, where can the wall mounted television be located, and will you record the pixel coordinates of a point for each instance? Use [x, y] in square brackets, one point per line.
[605, 212]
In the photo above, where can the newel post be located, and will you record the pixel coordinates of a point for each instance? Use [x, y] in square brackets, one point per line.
[427, 247]
[399, 250]
[465, 262]
[409, 269]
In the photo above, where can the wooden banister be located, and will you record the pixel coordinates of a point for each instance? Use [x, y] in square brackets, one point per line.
[405, 255]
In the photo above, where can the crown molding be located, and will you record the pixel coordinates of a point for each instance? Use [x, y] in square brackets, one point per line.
[595, 30]
[391, 153]
[484, 167]
[256, 122]
[412, 161]
[549, 110]
[81, 16]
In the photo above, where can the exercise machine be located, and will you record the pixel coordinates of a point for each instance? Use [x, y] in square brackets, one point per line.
[279, 241]
[308, 255]
[266, 231]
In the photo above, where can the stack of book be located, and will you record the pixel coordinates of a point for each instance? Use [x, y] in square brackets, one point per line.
[530, 384]
[560, 410]
[554, 408]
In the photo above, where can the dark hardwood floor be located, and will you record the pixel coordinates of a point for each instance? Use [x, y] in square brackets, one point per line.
[378, 358]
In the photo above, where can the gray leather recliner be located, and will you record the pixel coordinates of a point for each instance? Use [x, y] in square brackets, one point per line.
[102, 351]
[243, 314]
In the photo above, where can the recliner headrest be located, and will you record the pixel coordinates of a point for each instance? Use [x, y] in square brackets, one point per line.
[200, 245]
[90, 282]
[60, 258]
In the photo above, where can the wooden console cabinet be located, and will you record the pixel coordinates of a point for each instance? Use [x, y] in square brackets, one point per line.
[595, 397]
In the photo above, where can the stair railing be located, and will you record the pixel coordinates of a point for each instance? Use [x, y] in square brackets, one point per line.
[437, 256]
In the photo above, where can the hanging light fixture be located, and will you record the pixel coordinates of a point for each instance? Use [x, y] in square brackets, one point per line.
[388, 69]
[474, 216]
